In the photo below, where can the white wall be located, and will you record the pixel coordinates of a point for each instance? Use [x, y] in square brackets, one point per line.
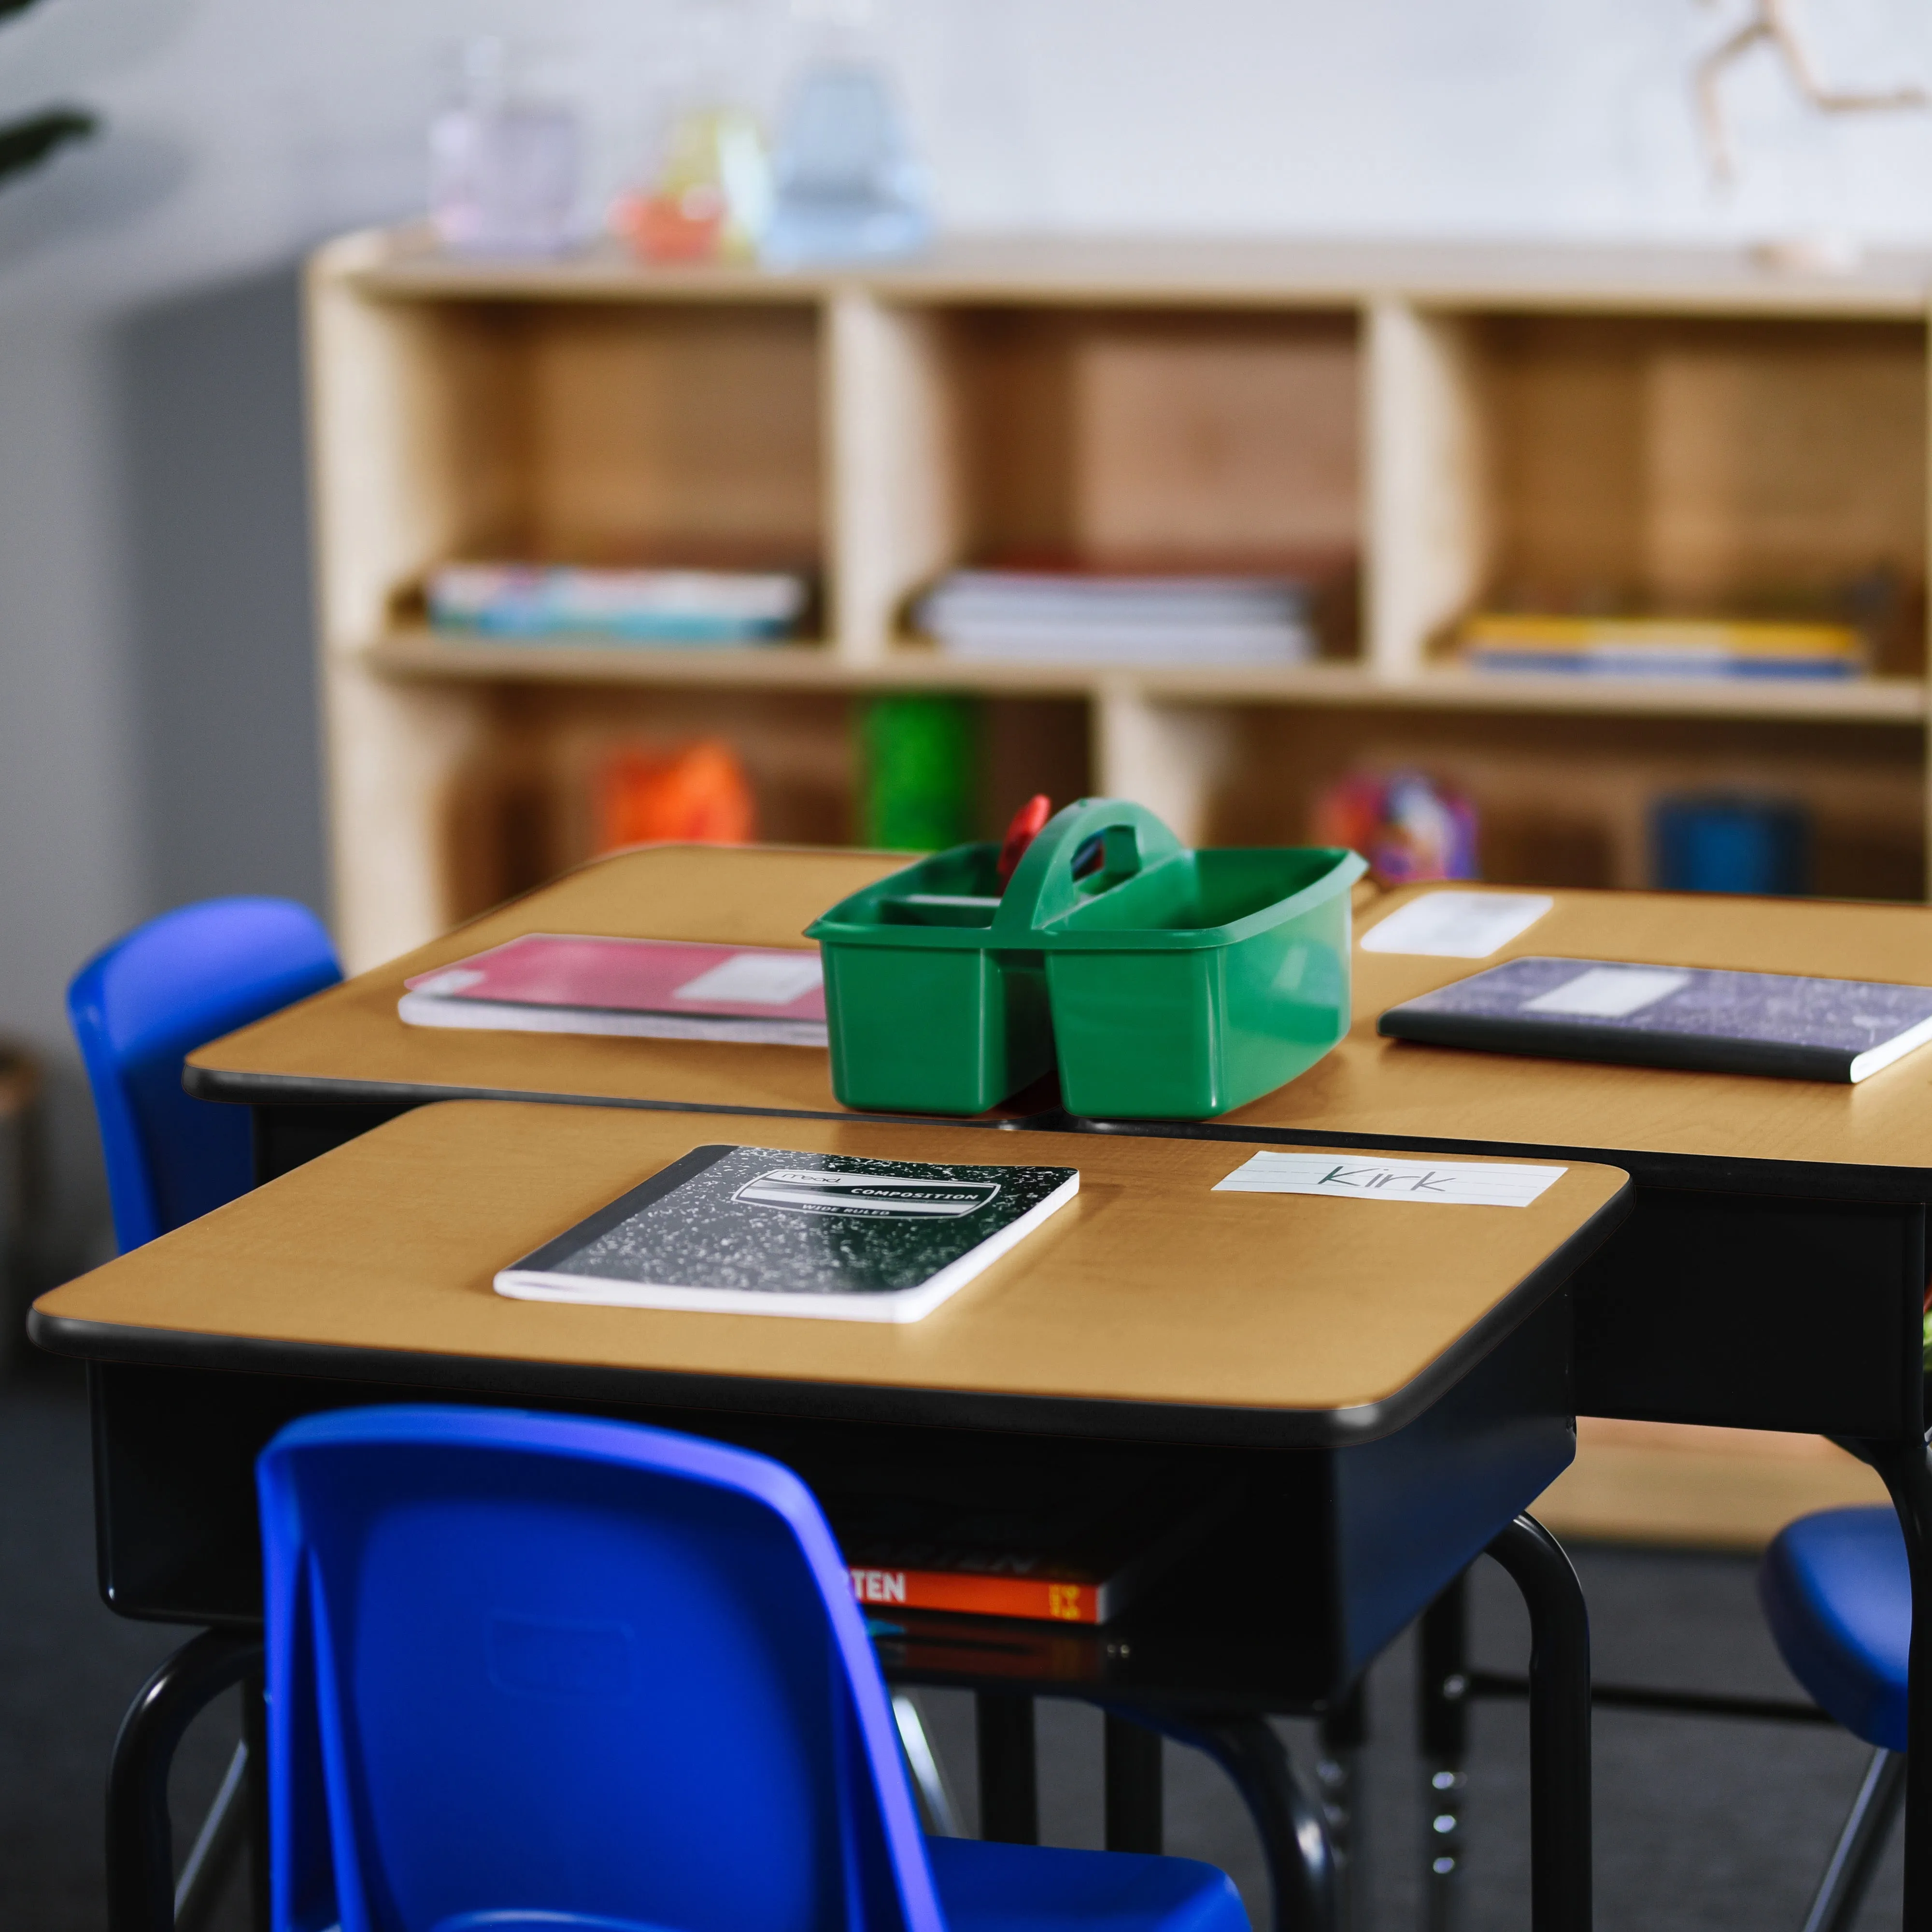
[156, 719]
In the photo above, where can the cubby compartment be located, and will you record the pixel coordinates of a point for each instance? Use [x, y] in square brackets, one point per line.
[1565, 801]
[1128, 438]
[609, 434]
[519, 807]
[1737, 466]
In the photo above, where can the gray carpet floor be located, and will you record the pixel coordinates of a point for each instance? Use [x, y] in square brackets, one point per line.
[1700, 1824]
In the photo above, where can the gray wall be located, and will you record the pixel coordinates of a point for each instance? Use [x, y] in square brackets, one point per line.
[156, 719]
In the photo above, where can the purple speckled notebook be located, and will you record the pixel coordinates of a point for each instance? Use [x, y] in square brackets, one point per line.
[1681, 1016]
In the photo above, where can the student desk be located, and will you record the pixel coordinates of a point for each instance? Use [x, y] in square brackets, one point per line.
[1375, 1389]
[1771, 1273]
[336, 1063]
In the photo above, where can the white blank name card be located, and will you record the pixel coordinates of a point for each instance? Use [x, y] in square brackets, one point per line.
[1456, 925]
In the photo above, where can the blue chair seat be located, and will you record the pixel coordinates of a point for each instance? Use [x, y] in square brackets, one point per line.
[543, 1673]
[1836, 1592]
[985, 1888]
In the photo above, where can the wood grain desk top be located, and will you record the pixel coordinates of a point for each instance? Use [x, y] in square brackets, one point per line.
[1148, 1306]
[1874, 1138]
[346, 1044]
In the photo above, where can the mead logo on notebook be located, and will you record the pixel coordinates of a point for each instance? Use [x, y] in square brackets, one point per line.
[803, 1191]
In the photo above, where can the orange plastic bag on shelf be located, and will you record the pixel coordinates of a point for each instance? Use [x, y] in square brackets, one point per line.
[697, 794]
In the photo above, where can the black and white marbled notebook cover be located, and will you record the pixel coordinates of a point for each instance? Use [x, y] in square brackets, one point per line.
[1694, 1018]
[746, 1220]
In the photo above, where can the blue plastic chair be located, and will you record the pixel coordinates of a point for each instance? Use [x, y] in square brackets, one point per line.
[1837, 1592]
[529, 1673]
[140, 1006]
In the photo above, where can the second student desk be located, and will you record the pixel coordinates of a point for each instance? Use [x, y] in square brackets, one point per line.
[335, 1064]
[1370, 1390]
[1774, 1269]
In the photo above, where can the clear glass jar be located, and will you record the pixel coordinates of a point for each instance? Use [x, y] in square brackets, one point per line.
[504, 171]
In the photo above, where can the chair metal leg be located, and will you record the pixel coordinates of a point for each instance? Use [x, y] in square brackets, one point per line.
[140, 1843]
[1133, 1786]
[928, 1775]
[1907, 1470]
[1559, 1725]
[217, 1846]
[255, 1735]
[1442, 1728]
[1345, 1732]
[1287, 1815]
[1854, 1858]
[1009, 1768]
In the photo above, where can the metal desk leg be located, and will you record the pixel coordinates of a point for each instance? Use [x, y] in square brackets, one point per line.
[1907, 1470]
[1133, 1786]
[1442, 1727]
[1344, 1731]
[1559, 1725]
[1287, 1814]
[140, 1844]
[1009, 1768]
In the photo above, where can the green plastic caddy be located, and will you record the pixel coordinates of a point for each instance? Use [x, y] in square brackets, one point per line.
[1167, 983]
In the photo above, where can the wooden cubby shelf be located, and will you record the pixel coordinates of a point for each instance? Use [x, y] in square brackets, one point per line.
[1447, 427]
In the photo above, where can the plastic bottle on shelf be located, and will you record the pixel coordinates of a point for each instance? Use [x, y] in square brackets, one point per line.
[504, 170]
[848, 186]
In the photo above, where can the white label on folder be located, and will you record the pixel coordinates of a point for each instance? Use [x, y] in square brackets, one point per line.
[1608, 992]
[756, 979]
[1457, 925]
[1464, 1183]
[457, 979]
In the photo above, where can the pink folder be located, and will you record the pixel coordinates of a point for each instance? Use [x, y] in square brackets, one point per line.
[555, 983]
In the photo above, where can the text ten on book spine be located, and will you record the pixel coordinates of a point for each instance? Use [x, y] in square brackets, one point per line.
[1059, 1601]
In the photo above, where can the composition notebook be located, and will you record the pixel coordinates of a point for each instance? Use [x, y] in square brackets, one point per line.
[765, 1230]
[655, 988]
[1711, 1021]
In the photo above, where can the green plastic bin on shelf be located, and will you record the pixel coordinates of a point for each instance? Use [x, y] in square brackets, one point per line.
[1167, 983]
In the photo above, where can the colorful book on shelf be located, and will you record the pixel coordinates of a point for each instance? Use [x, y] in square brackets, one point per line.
[527, 602]
[771, 1230]
[647, 988]
[1078, 617]
[1661, 646]
[1077, 1554]
[1703, 1020]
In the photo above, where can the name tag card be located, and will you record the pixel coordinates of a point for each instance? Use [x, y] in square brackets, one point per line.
[1454, 1183]
[1456, 925]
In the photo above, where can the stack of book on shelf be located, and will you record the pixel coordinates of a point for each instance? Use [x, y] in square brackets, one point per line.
[1072, 617]
[567, 602]
[1673, 647]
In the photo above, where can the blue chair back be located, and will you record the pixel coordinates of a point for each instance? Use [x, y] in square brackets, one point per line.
[544, 1671]
[140, 1006]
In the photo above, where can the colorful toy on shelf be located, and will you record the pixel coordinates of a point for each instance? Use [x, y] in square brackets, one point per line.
[1164, 983]
[697, 794]
[707, 195]
[503, 169]
[1407, 825]
[920, 761]
[711, 198]
[1725, 842]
